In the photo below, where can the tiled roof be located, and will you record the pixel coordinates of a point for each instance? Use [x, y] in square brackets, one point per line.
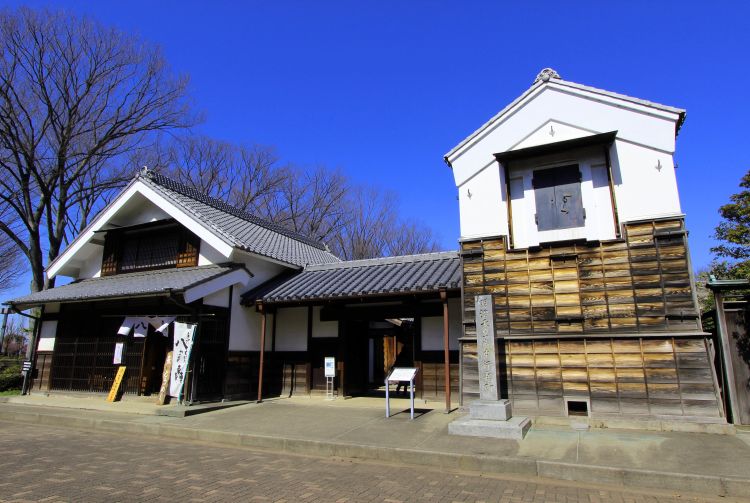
[362, 278]
[134, 284]
[243, 230]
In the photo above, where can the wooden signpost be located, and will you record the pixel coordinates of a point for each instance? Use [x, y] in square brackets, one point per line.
[165, 379]
[116, 385]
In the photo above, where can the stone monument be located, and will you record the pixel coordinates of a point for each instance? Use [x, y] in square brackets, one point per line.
[490, 416]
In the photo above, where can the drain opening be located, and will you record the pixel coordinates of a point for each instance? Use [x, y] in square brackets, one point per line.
[577, 408]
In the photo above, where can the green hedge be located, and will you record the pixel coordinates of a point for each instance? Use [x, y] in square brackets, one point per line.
[10, 377]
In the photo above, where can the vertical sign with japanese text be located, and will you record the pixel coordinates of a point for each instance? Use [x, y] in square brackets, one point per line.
[486, 357]
[184, 334]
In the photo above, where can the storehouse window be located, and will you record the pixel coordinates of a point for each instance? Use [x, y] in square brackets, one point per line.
[557, 193]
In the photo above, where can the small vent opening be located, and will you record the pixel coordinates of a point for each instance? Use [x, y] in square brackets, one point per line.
[577, 408]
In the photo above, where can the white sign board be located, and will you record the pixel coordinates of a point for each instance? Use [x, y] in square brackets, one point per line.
[330, 366]
[402, 374]
[183, 344]
[118, 353]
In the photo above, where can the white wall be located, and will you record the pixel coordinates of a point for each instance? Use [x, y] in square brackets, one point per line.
[432, 328]
[291, 329]
[642, 163]
[244, 327]
[208, 255]
[322, 329]
[218, 299]
[47, 335]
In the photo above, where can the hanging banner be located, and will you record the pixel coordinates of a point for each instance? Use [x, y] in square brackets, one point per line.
[118, 353]
[183, 343]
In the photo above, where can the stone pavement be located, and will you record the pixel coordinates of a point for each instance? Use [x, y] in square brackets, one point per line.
[357, 429]
[43, 463]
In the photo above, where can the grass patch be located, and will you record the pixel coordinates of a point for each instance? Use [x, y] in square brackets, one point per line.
[10, 392]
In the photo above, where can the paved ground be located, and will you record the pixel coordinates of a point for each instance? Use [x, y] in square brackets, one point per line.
[41, 463]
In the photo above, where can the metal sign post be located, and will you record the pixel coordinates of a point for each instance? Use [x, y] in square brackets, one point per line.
[400, 374]
[330, 373]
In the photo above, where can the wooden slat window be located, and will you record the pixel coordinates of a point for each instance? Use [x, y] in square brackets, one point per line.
[142, 250]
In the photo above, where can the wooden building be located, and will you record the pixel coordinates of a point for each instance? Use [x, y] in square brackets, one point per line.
[270, 304]
[570, 218]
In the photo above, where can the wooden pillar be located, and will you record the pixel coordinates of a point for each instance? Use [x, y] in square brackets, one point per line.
[446, 350]
[729, 389]
[259, 306]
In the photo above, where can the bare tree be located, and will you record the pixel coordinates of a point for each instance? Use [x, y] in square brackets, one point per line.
[375, 228]
[11, 264]
[74, 96]
[311, 202]
[410, 237]
[248, 177]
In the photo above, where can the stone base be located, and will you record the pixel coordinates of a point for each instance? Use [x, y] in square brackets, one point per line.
[490, 418]
[493, 410]
[514, 428]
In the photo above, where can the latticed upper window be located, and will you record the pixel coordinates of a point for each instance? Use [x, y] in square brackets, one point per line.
[144, 249]
[149, 251]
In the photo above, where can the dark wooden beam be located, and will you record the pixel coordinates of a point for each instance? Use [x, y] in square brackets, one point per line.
[446, 351]
[259, 306]
[353, 313]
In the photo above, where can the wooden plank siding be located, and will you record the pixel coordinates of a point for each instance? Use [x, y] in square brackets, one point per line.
[640, 283]
[664, 376]
[611, 323]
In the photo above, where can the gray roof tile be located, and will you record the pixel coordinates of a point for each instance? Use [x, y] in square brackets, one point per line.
[243, 230]
[132, 284]
[361, 278]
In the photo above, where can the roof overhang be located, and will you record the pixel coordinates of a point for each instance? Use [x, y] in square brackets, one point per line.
[605, 139]
[179, 282]
[728, 284]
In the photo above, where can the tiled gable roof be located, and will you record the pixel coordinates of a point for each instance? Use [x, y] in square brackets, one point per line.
[240, 228]
[406, 274]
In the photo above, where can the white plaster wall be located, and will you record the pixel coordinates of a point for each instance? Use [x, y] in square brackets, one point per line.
[645, 141]
[218, 299]
[208, 255]
[138, 210]
[585, 111]
[647, 187]
[432, 328]
[47, 335]
[92, 264]
[245, 323]
[291, 329]
[482, 204]
[322, 329]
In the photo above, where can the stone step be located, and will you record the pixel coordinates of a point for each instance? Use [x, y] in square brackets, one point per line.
[514, 428]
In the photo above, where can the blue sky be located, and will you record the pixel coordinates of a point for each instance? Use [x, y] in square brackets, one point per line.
[382, 89]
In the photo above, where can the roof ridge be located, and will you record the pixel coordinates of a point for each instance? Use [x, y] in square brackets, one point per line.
[396, 259]
[173, 185]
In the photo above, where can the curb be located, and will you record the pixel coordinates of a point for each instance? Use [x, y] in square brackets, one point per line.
[625, 477]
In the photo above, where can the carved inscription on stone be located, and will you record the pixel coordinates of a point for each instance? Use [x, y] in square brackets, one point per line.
[486, 347]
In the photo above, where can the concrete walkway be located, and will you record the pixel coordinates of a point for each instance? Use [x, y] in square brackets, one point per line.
[357, 428]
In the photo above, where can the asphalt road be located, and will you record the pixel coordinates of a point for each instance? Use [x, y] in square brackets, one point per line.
[40, 463]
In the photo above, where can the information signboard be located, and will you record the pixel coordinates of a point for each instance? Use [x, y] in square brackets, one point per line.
[400, 374]
[330, 366]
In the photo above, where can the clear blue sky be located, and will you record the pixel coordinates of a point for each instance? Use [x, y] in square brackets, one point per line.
[382, 89]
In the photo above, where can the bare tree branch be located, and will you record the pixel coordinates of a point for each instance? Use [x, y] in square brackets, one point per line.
[75, 99]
